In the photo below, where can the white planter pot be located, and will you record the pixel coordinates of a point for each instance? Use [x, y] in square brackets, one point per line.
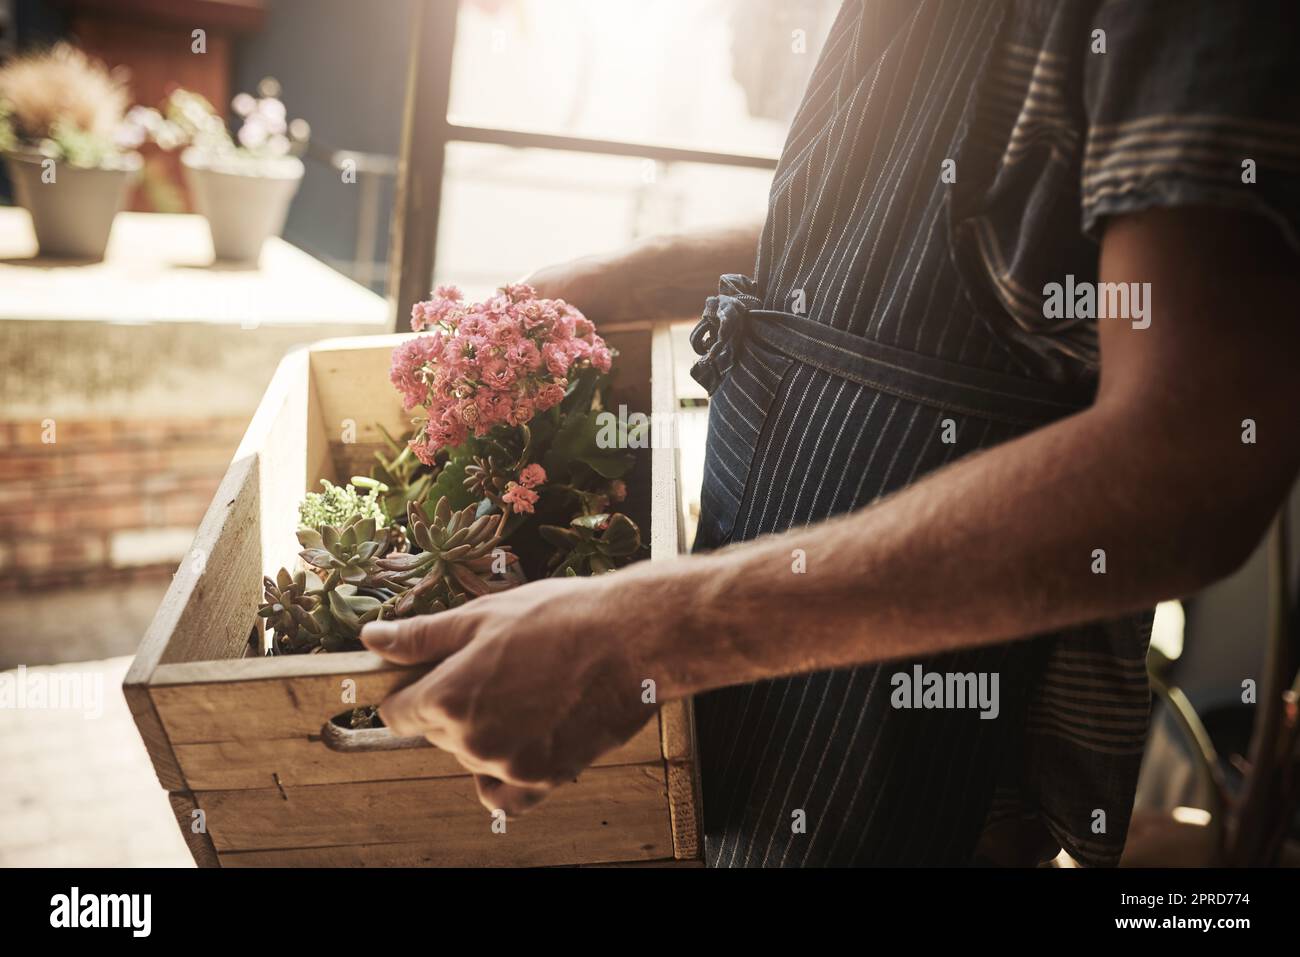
[73, 212]
[243, 209]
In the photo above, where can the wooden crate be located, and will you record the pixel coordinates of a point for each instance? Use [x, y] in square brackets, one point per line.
[237, 739]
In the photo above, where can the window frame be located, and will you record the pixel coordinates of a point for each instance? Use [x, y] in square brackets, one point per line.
[426, 132]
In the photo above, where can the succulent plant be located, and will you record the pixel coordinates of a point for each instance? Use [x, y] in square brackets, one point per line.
[312, 619]
[460, 557]
[288, 609]
[593, 544]
[338, 503]
[346, 553]
[348, 613]
[485, 478]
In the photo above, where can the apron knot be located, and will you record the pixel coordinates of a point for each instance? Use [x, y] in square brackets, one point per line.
[716, 337]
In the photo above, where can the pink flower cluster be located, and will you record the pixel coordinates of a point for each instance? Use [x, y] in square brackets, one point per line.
[497, 362]
[520, 495]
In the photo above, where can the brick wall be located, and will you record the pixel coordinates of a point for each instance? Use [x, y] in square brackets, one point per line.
[108, 500]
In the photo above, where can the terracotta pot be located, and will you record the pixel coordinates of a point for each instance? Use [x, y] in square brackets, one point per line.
[73, 212]
[243, 209]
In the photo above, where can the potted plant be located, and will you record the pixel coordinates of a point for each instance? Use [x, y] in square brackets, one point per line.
[242, 185]
[69, 145]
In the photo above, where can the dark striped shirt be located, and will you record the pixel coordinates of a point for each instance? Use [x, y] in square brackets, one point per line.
[866, 237]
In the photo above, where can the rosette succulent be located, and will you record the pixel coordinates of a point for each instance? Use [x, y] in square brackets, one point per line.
[288, 609]
[346, 554]
[460, 556]
[309, 619]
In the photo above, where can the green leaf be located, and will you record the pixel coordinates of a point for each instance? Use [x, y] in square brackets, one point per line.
[451, 484]
[363, 605]
[417, 489]
[578, 441]
[622, 538]
[569, 443]
[318, 557]
[354, 575]
[397, 449]
[559, 537]
[610, 464]
[343, 614]
[582, 388]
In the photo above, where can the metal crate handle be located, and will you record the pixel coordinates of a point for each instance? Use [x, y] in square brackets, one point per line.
[357, 740]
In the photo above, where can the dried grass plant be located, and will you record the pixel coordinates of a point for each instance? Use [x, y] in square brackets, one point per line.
[62, 87]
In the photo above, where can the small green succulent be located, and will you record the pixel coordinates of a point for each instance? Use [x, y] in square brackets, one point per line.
[347, 553]
[592, 544]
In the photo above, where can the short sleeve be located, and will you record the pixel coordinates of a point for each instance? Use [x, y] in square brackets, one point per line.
[1193, 103]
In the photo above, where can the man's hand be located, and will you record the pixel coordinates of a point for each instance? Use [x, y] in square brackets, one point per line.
[528, 687]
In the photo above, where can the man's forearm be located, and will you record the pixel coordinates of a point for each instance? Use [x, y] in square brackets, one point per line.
[657, 277]
[675, 273]
[998, 546]
[1004, 543]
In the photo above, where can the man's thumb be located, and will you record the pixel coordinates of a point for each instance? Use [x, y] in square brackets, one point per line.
[411, 641]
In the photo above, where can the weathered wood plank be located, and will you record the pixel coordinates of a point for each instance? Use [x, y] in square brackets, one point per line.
[203, 581]
[196, 836]
[351, 377]
[208, 609]
[296, 762]
[284, 429]
[257, 698]
[609, 814]
[155, 739]
[665, 516]
[681, 766]
[666, 537]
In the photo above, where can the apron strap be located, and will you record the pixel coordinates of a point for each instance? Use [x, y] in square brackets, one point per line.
[734, 314]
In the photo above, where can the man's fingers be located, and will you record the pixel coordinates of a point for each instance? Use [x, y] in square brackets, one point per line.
[496, 795]
[408, 713]
[411, 641]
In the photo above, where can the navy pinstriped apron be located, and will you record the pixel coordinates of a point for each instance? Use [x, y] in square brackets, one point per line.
[824, 409]
[746, 353]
